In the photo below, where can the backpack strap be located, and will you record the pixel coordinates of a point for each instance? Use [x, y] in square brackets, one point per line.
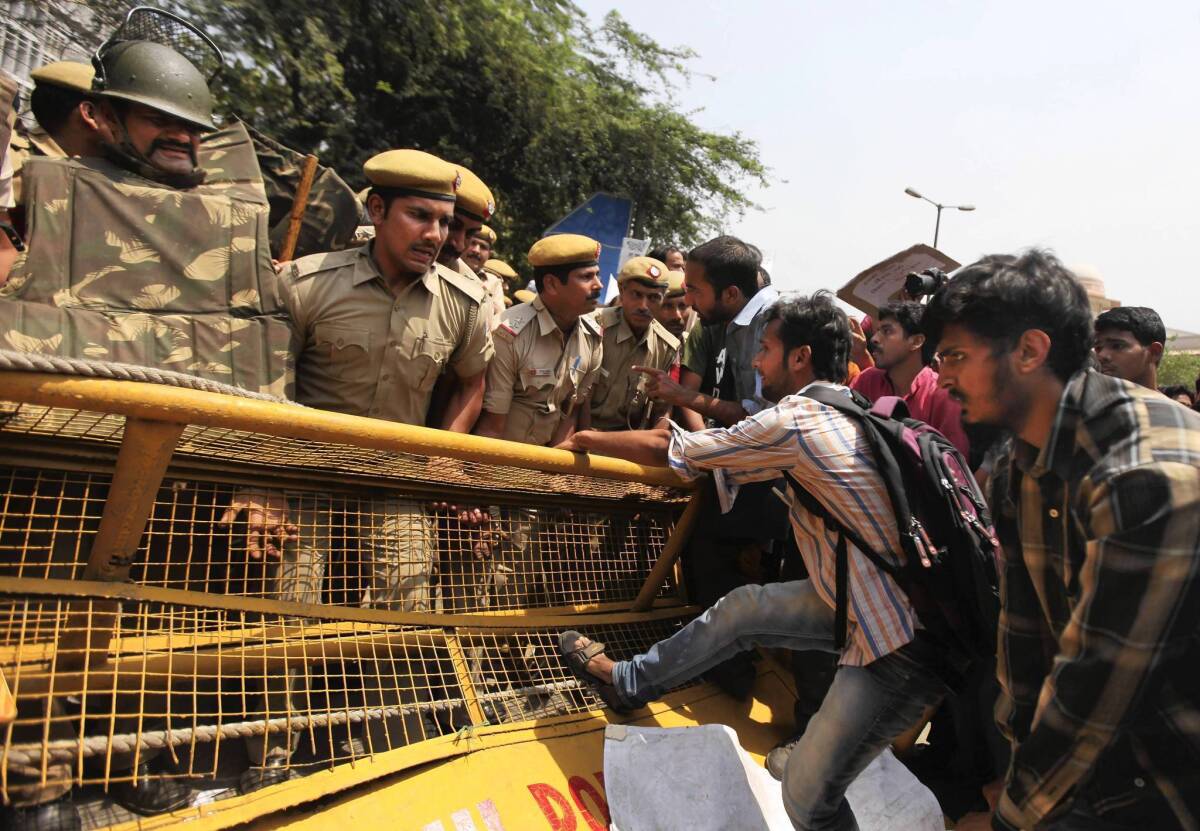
[856, 407]
[859, 409]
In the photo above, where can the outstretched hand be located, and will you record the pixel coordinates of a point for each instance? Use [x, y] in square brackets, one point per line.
[268, 526]
[661, 387]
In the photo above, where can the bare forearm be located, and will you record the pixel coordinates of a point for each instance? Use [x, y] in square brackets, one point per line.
[491, 425]
[462, 410]
[646, 447]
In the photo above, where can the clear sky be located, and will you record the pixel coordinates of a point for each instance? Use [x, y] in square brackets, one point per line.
[1070, 125]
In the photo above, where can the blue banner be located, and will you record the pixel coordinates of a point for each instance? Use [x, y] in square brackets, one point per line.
[604, 218]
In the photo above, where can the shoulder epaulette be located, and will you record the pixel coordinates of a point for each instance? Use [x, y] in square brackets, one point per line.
[316, 263]
[516, 318]
[606, 316]
[470, 286]
[590, 323]
[664, 334]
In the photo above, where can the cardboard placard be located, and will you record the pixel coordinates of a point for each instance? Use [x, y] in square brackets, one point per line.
[883, 282]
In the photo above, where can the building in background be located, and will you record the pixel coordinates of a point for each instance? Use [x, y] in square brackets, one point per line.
[1093, 283]
[36, 32]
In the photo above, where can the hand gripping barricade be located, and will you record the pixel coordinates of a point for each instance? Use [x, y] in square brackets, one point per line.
[946, 534]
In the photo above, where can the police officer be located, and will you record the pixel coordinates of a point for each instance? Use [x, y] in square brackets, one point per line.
[479, 248]
[548, 351]
[675, 314]
[632, 337]
[377, 326]
[510, 280]
[143, 229]
[58, 90]
[128, 259]
[497, 276]
[473, 207]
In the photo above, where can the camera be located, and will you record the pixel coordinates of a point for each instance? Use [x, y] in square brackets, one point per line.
[924, 283]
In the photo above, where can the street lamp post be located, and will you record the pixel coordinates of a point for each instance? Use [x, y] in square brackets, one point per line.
[938, 224]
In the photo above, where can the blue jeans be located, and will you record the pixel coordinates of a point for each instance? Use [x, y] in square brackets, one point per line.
[866, 708]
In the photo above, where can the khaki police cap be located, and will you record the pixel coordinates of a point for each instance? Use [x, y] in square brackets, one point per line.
[484, 231]
[413, 173]
[574, 250]
[523, 296]
[675, 286]
[475, 201]
[500, 269]
[72, 75]
[645, 270]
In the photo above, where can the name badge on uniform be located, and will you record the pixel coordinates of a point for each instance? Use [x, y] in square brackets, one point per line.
[541, 373]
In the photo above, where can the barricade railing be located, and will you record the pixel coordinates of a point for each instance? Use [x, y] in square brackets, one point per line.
[134, 627]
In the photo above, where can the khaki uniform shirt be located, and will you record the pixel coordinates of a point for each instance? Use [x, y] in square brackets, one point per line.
[491, 307]
[366, 352]
[613, 405]
[539, 375]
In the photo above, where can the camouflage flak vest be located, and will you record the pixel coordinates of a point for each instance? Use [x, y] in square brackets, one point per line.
[120, 268]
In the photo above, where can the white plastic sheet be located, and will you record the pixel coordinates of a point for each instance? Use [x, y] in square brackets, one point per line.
[663, 779]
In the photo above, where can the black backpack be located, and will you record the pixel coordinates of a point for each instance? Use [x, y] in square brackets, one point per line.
[946, 536]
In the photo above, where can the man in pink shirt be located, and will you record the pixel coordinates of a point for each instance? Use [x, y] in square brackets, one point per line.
[902, 367]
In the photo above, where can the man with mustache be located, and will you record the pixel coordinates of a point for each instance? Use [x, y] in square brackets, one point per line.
[632, 337]
[134, 256]
[548, 351]
[902, 368]
[479, 248]
[376, 326]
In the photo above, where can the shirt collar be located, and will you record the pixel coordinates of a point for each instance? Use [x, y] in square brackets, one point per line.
[546, 323]
[366, 270]
[765, 297]
[1055, 456]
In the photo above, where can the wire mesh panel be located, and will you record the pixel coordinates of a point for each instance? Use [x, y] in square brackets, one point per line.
[351, 547]
[291, 604]
[173, 698]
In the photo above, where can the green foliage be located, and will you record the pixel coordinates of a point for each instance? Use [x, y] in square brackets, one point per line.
[1178, 368]
[544, 107]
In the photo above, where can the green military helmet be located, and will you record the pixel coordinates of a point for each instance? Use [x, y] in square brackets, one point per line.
[148, 73]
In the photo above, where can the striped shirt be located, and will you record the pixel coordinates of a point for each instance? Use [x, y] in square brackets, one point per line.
[1100, 605]
[828, 453]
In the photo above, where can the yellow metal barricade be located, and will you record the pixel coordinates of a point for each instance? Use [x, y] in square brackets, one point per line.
[134, 625]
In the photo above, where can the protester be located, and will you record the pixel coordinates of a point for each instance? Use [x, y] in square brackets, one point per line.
[902, 357]
[889, 670]
[1129, 344]
[1178, 392]
[1098, 513]
[669, 255]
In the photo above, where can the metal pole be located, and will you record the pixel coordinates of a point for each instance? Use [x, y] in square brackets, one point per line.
[937, 225]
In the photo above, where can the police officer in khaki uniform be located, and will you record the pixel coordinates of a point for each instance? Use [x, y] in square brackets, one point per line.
[58, 90]
[500, 277]
[376, 327]
[675, 314]
[479, 247]
[474, 206]
[509, 279]
[632, 337]
[548, 352]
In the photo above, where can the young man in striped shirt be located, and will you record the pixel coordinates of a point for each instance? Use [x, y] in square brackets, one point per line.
[889, 671]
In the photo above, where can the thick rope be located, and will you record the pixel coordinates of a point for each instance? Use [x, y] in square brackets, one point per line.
[86, 367]
[65, 751]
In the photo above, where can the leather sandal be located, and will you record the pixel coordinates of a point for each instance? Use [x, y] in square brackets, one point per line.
[577, 657]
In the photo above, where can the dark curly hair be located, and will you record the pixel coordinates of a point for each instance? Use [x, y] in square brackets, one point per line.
[818, 323]
[1004, 295]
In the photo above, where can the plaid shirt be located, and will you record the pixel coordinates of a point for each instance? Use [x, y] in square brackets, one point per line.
[829, 455]
[1100, 605]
